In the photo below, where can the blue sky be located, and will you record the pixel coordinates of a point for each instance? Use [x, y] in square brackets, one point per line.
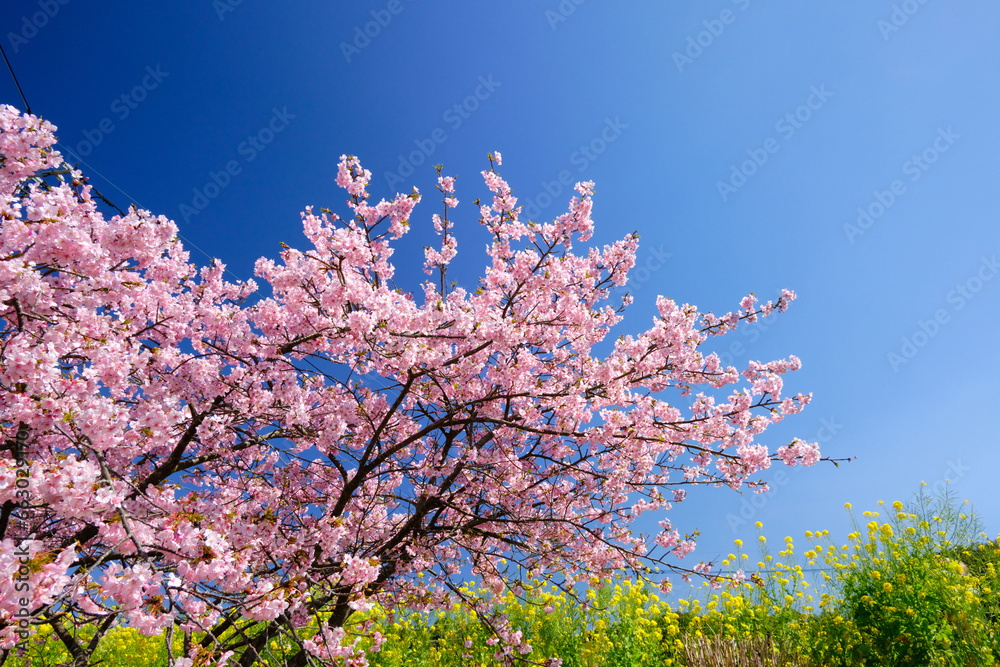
[846, 151]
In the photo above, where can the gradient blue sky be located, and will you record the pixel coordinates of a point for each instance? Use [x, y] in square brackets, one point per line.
[683, 93]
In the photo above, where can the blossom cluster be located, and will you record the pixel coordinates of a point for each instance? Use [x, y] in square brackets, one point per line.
[195, 458]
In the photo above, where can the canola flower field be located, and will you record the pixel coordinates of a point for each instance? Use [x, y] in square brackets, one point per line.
[915, 585]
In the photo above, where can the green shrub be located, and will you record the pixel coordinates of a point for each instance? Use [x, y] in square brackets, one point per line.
[920, 588]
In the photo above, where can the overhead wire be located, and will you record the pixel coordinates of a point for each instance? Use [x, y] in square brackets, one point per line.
[27, 107]
[137, 204]
[378, 380]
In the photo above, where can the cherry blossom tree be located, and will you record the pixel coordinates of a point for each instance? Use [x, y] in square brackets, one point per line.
[182, 452]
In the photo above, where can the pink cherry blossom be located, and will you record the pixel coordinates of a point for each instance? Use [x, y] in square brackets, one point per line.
[193, 456]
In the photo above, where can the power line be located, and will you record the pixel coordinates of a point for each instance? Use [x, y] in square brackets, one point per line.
[27, 107]
[136, 203]
[377, 380]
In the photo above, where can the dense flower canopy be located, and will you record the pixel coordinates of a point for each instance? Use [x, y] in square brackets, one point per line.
[186, 457]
